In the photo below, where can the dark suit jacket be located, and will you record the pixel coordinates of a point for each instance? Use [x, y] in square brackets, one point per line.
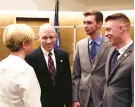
[61, 93]
[119, 89]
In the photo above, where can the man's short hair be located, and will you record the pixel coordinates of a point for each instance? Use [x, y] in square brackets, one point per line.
[43, 26]
[15, 34]
[119, 16]
[98, 15]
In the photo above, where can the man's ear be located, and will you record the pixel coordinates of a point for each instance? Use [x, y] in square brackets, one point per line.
[121, 28]
[100, 24]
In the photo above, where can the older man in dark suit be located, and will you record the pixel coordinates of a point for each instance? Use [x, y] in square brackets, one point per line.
[52, 69]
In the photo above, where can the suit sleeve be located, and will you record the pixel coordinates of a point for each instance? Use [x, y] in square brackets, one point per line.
[68, 83]
[132, 84]
[76, 75]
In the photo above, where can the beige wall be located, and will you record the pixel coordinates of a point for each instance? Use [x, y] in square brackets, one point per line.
[66, 19]
[33, 22]
[4, 21]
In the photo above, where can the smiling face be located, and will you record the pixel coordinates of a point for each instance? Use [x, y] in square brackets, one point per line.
[118, 29]
[47, 37]
[113, 32]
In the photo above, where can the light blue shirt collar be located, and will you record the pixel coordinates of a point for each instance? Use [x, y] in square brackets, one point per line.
[98, 40]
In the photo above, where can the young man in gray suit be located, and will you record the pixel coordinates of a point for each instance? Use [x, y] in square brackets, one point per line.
[119, 88]
[89, 63]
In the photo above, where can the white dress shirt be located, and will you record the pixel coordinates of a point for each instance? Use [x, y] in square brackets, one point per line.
[19, 86]
[123, 49]
[45, 52]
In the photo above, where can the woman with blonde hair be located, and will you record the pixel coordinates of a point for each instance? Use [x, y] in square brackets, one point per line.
[19, 86]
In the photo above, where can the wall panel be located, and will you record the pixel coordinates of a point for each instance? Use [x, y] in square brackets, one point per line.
[65, 19]
[4, 21]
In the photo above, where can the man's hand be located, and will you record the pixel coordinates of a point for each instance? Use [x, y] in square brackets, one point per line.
[76, 104]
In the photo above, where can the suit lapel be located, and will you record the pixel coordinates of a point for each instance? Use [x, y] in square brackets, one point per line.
[85, 54]
[107, 68]
[41, 62]
[122, 58]
[101, 51]
[42, 59]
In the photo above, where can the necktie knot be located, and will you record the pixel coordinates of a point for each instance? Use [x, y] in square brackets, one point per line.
[117, 53]
[50, 54]
[93, 43]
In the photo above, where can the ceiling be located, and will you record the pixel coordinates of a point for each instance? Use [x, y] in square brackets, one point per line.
[67, 5]
[82, 5]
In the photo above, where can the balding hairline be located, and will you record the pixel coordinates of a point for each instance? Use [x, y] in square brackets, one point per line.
[45, 27]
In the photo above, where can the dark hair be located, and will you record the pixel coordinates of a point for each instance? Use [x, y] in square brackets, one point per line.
[98, 15]
[118, 16]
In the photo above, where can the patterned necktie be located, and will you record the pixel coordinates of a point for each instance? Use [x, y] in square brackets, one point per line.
[93, 51]
[114, 58]
[51, 66]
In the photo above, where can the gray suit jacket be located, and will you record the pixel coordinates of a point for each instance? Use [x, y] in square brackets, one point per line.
[88, 79]
[119, 87]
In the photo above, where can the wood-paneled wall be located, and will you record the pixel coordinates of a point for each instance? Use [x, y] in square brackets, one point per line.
[33, 22]
[66, 37]
[4, 21]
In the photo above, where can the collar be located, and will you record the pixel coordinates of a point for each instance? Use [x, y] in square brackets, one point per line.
[16, 57]
[123, 49]
[98, 40]
[45, 52]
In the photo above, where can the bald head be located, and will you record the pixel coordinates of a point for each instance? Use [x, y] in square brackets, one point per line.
[47, 37]
[46, 28]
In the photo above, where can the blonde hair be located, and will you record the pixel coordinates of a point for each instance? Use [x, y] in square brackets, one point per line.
[15, 34]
